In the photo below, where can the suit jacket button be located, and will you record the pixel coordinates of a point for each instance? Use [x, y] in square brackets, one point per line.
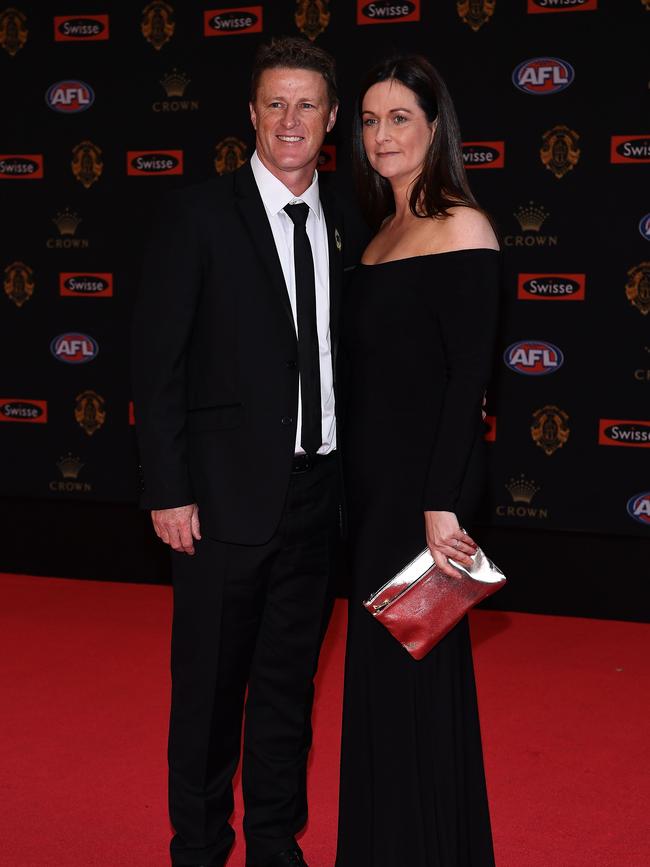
[291, 364]
[286, 420]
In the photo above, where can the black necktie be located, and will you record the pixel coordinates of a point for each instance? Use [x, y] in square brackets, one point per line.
[311, 437]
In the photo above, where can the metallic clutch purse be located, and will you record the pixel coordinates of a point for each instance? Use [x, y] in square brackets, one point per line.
[420, 604]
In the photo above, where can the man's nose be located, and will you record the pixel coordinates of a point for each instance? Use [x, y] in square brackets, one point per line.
[290, 118]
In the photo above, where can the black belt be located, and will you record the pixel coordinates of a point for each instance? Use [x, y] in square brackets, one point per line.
[304, 463]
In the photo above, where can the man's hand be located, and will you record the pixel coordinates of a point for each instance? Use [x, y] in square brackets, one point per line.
[445, 539]
[178, 527]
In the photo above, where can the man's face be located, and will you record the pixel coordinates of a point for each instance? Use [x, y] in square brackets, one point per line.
[291, 114]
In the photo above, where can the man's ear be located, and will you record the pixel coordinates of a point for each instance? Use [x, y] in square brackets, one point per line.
[332, 117]
[253, 115]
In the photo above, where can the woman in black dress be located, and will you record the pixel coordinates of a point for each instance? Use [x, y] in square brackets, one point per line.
[418, 340]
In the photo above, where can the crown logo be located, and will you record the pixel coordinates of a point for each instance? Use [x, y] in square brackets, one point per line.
[531, 217]
[69, 466]
[175, 83]
[522, 490]
[67, 222]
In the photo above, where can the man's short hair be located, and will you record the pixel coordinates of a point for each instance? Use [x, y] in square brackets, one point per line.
[293, 52]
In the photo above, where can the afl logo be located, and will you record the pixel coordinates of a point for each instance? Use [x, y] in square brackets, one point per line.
[228, 22]
[70, 97]
[34, 411]
[154, 162]
[484, 154]
[90, 285]
[638, 507]
[533, 357]
[74, 348]
[644, 227]
[387, 12]
[554, 287]
[543, 76]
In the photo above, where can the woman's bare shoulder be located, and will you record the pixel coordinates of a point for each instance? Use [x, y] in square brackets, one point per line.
[464, 229]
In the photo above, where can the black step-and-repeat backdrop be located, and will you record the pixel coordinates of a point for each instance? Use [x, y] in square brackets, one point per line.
[106, 105]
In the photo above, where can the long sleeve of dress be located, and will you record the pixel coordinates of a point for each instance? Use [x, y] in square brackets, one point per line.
[467, 313]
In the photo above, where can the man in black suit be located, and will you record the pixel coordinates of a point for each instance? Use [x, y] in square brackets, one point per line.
[236, 329]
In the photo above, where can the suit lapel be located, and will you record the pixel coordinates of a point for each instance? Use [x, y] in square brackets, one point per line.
[253, 214]
[332, 218]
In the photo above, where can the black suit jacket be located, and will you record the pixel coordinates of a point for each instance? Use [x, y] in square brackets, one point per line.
[215, 358]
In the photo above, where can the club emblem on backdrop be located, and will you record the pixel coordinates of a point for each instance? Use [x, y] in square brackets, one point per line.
[19, 283]
[230, 155]
[312, 17]
[13, 32]
[87, 164]
[476, 13]
[89, 411]
[637, 288]
[157, 25]
[560, 151]
[550, 430]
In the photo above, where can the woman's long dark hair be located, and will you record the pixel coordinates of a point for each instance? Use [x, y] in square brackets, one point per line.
[442, 182]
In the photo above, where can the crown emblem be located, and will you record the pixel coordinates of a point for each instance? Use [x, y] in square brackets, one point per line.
[560, 151]
[312, 17]
[475, 13]
[522, 490]
[175, 83]
[531, 217]
[67, 222]
[13, 33]
[69, 466]
[550, 430]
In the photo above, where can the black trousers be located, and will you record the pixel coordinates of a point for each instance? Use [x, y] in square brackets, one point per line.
[249, 616]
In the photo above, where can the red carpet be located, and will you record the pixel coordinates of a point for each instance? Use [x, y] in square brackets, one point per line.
[565, 705]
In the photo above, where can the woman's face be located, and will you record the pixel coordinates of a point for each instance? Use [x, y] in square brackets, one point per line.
[396, 132]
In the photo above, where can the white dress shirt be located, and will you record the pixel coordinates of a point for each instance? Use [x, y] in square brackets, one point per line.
[275, 196]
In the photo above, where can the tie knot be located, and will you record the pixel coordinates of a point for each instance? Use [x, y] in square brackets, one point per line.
[298, 214]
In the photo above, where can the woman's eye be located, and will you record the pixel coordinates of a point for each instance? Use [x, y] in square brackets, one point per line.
[400, 118]
[369, 121]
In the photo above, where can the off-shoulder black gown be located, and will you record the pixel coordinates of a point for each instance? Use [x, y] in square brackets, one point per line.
[417, 342]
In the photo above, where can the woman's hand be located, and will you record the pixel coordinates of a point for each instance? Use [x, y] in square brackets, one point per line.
[445, 539]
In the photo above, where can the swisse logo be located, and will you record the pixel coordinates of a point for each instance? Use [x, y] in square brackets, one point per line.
[70, 97]
[387, 11]
[638, 507]
[80, 28]
[74, 348]
[543, 76]
[21, 166]
[623, 432]
[551, 287]
[630, 149]
[86, 284]
[154, 163]
[228, 22]
[18, 409]
[484, 154]
[533, 357]
[535, 6]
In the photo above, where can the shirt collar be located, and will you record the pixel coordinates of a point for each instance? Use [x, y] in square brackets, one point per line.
[274, 193]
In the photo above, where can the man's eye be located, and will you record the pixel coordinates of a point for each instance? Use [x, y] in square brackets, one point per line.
[307, 105]
[276, 105]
